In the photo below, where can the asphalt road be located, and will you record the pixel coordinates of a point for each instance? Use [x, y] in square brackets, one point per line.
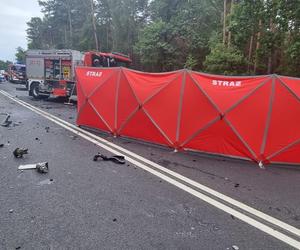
[82, 204]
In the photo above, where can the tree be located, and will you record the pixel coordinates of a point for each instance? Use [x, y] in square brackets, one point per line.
[225, 60]
[154, 49]
[20, 55]
[4, 64]
[183, 32]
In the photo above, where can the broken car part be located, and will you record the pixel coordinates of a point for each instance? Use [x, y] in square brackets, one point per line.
[115, 158]
[6, 121]
[41, 167]
[19, 152]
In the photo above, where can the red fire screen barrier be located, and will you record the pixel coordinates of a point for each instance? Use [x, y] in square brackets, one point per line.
[255, 118]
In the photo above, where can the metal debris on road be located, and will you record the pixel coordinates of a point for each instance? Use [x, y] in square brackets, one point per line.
[6, 121]
[261, 165]
[41, 167]
[235, 247]
[115, 158]
[19, 152]
[45, 182]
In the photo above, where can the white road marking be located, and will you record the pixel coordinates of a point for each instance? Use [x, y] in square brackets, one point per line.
[115, 149]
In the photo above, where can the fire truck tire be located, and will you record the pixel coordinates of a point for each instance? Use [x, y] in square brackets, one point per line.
[34, 90]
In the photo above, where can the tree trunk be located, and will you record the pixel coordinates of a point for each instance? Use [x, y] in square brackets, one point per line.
[270, 63]
[257, 45]
[250, 52]
[229, 32]
[224, 22]
[94, 25]
[270, 57]
[70, 26]
[66, 39]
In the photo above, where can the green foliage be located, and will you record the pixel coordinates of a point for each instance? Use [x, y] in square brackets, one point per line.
[153, 47]
[225, 60]
[190, 63]
[20, 55]
[4, 64]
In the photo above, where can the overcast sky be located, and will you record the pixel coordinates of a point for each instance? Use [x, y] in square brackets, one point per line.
[13, 17]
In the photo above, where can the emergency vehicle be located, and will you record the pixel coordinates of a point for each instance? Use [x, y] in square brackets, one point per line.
[52, 72]
[16, 73]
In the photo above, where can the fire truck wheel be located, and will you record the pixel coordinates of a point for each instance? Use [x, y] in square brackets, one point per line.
[34, 89]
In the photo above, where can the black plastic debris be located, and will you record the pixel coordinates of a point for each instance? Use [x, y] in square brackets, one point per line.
[236, 185]
[47, 129]
[1, 145]
[6, 121]
[41, 167]
[19, 152]
[119, 159]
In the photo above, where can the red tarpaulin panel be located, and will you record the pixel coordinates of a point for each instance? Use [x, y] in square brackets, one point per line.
[255, 118]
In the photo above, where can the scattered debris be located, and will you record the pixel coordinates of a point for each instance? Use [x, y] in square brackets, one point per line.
[46, 182]
[236, 185]
[261, 165]
[47, 129]
[36, 138]
[6, 121]
[115, 158]
[11, 210]
[19, 152]
[74, 137]
[41, 167]
[70, 117]
[1, 145]
[235, 247]
[114, 219]
[21, 89]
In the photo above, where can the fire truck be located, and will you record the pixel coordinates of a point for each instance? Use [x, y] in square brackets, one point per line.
[52, 72]
[16, 73]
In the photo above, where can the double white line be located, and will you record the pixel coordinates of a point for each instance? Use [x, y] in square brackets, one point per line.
[268, 224]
